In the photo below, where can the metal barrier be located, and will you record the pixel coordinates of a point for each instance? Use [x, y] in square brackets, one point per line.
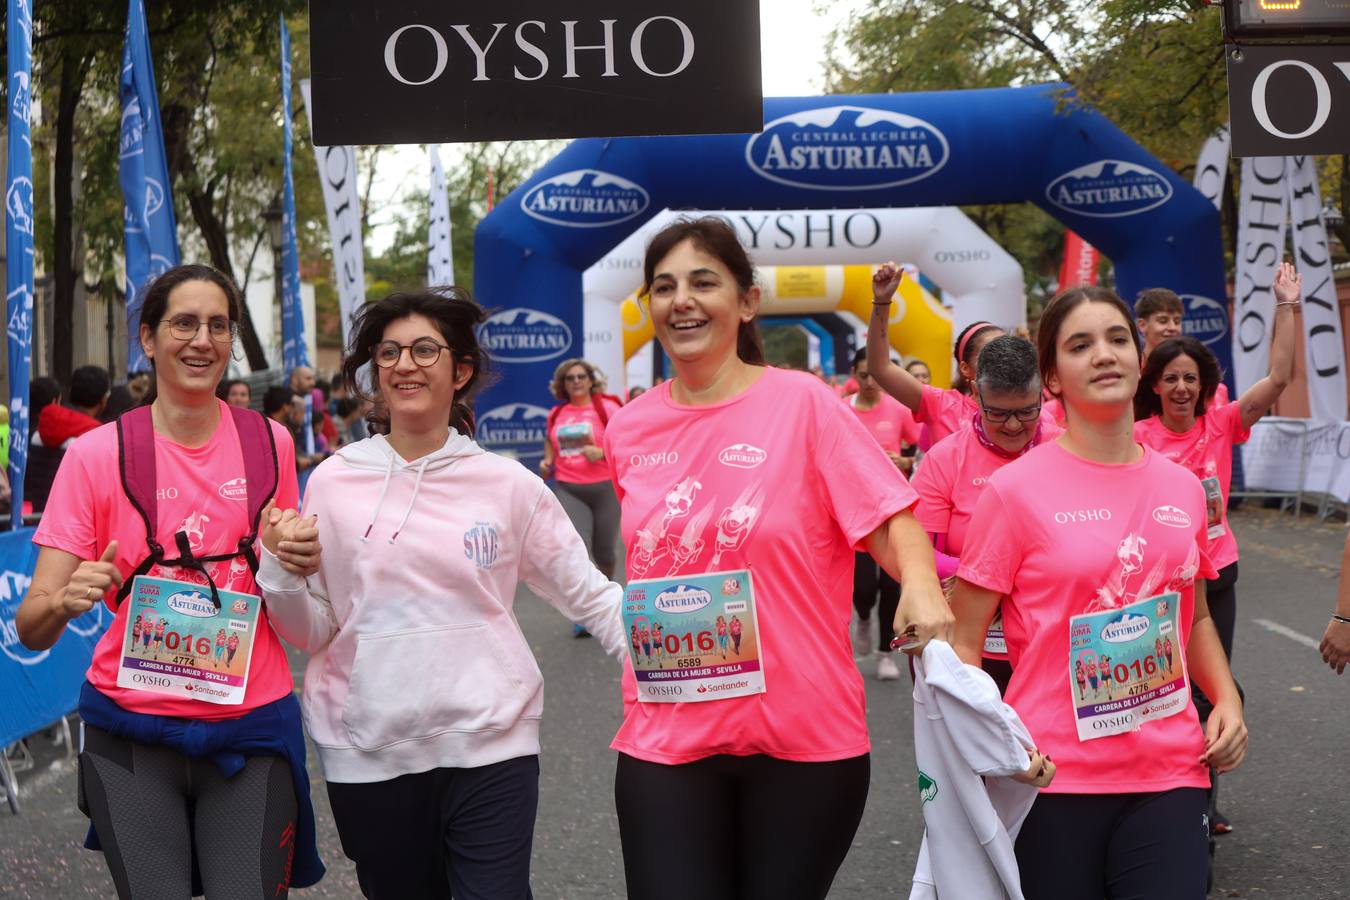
[1294, 496]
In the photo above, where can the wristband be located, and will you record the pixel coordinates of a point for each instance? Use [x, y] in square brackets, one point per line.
[1344, 620]
[881, 302]
[1280, 303]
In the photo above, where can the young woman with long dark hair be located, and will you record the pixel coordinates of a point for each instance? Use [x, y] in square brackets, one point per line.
[421, 693]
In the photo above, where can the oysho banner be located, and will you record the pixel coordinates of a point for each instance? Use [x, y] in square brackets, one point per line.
[1324, 351]
[1211, 169]
[338, 175]
[19, 244]
[1261, 239]
[1270, 459]
[440, 256]
[151, 228]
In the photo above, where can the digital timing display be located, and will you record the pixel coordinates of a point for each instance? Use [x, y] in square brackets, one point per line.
[1287, 17]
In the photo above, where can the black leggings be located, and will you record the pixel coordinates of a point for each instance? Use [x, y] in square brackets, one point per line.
[1221, 595]
[868, 579]
[465, 833]
[159, 815]
[737, 827]
[594, 511]
[1118, 846]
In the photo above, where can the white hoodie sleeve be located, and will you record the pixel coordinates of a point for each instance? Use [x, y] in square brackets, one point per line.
[298, 607]
[555, 566]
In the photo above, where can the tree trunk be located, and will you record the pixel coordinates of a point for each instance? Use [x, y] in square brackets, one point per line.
[201, 202]
[65, 269]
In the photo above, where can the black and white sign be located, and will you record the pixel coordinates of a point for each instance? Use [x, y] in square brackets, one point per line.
[1289, 100]
[427, 71]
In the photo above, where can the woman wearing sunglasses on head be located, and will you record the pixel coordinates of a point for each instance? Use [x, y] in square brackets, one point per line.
[421, 693]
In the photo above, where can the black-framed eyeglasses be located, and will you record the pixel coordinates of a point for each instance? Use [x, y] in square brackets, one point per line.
[575, 378]
[184, 327]
[1026, 415]
[424, 352]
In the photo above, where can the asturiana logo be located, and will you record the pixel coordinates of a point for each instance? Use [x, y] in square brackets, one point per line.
[514, 423]
[192, 603]
[682, 598]
[524, 335]
[847, 148]
[236, 489]
[585, 198]
[1206, 320]
[1172, 517]
[742, 456]
[1126, 628]
[1109, 188]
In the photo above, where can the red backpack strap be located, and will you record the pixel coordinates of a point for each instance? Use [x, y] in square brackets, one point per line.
[598, 401]
[552, 418]
[261, 468]
[136, 464]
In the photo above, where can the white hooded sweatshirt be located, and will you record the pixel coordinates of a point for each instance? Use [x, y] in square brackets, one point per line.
[417, 659]
[967, 742]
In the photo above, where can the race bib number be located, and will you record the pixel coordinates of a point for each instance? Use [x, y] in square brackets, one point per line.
[995, 644]
[574, 438]
[693, 638]
[1214, 507]
[176, 642]
[1125, 667]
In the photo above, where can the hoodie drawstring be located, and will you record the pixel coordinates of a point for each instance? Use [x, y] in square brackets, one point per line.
[388, 473]
[417, 486]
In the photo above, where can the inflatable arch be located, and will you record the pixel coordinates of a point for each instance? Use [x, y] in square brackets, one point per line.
[1004, 145]
[983, 280]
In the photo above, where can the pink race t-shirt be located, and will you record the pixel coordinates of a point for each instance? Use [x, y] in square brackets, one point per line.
[1060, 536]
[575, 427]
[781, 480]
[1207, 451]
[890, 422]
[199, 491]
[946, 411]
[949, 483]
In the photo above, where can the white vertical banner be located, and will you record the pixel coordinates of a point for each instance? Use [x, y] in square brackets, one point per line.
[440, 259]
[338, 175]
[1211, 169]
[1324, 350]
[1262, 213]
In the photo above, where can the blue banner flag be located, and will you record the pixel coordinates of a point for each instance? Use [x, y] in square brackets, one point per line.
[151, 228]
[19, 243]
[294, 350]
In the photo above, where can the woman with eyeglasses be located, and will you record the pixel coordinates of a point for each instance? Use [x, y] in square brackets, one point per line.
[575, 461]
[943, 411]
[956, 469]
[208, 773]
[421, 694]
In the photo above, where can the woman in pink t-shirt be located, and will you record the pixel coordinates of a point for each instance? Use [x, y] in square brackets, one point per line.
[136, 766]
[956, 469]
[761, 478]
[1094, 544]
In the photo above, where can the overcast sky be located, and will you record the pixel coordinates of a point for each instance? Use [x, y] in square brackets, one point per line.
[792, 39]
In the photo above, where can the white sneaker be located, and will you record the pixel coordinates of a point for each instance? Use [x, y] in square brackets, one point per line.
[862, 636]
[887, 670]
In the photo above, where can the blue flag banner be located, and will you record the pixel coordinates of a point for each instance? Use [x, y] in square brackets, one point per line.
[294, 351]
[151, 229]
[38, 686]
[19, 243]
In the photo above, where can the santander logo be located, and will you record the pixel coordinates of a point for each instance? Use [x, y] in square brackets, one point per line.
[742, 456]
[1172, 517]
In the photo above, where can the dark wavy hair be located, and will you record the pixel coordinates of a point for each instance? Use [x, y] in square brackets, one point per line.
[456, 316]
[1147, 403]
[1047, 335]
[156, 303]
[716, 237]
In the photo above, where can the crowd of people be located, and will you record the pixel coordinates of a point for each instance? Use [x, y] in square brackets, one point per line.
[1065, 489]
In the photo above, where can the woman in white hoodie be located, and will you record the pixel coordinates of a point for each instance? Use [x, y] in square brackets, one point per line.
[421, 692]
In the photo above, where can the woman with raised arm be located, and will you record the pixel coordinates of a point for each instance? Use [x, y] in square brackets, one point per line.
[943, 410]
[738, 507]
[1097, 547]
[421, 693]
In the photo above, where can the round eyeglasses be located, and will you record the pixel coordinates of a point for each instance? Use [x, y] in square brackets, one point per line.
[184, 327]
[424, 352]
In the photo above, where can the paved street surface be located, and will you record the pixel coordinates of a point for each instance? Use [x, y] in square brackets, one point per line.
[1287, 803]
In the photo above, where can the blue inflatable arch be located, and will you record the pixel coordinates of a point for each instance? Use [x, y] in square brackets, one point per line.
[1006, 145]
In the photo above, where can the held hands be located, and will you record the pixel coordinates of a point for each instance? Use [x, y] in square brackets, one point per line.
[1225, 737]
[1336, 646]
[593, 453]
[1041, 771]
[89, 582]
[924, 615]
[885, 282]
[292, 540]
[1288, 285]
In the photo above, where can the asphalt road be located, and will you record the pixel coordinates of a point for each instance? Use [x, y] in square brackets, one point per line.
[1286, 802]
